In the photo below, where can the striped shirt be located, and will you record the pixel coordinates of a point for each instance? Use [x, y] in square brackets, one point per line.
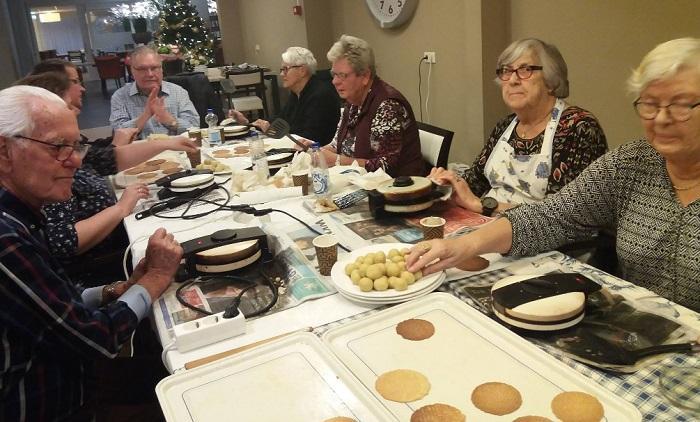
[627, 190]
[49, 331]
[128, 104]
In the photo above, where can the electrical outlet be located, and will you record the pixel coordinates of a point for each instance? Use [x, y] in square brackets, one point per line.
[430, 57]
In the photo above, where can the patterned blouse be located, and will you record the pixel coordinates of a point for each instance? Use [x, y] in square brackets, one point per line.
[578, 141]
[627, 190]
[91, 194]
[387, 128]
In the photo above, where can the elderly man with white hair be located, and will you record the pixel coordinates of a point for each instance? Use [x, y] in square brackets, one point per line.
[51, 332]
[313, 109]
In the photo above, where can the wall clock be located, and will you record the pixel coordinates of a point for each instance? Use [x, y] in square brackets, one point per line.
[391, 13]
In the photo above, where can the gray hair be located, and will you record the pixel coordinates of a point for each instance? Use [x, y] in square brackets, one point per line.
[664, 62]
[300, 56]
[357, 51]
[20, 104]
[554, 69]
[144, 50]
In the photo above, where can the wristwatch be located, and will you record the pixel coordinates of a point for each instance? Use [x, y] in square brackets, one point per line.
[488, 205]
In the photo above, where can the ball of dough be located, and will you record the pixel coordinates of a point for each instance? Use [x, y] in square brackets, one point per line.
[366, 284]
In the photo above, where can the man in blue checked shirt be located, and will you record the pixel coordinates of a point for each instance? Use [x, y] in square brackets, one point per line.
[51, 332]
[151, 104]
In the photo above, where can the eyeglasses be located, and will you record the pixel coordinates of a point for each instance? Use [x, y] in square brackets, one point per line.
[75, 81]
[145, 69]
[678, 112]
[340, 75]
[285, 69]
[63, 151]
[504, 73]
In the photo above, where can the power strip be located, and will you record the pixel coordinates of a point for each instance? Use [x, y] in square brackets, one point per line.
[207, 330]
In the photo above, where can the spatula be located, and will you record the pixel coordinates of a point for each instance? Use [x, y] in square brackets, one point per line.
[279, 128]
[609, 353]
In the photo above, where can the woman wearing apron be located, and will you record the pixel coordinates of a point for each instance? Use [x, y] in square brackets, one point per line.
[537, 150]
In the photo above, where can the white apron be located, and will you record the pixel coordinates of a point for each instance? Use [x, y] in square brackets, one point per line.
[522, 179]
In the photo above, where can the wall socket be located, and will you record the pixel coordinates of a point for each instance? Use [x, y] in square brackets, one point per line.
[430, 57]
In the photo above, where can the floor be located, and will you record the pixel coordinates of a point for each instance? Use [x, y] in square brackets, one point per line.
[96, 108]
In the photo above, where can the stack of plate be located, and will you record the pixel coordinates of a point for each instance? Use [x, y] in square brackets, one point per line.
[279, 160]
[235, 131]
[352, 292]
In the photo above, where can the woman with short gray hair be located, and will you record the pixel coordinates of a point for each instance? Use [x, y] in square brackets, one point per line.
[377, 128]
[539, 148]
[313, 108]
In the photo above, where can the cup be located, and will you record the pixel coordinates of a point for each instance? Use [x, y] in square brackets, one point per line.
[301, 178]
[678, 383]
[195, 157]
[326, 252]
[433, 227]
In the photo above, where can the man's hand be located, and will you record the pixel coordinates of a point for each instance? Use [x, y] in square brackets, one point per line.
[157, 106]
[238, 117]
[180, 143]
[261, 124]
[124, 136]
[163, 256]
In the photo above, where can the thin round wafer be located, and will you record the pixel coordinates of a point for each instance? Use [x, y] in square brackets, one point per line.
[146, 176]
[155, 162]
[219, 152]
[577, 406]
[531, 418]
[168, 164]
[171, 170]
[476, 263]
[340, 419]
[438, 412]
[402, 385]
[415, 329]
[496, 398]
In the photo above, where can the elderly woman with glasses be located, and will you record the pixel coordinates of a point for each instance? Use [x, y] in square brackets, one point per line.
[539, 148]
[377, 128]
[647, 191]
[313, 108]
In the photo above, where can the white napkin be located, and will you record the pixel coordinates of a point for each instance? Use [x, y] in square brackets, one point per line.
[341, 176]
[370, 181]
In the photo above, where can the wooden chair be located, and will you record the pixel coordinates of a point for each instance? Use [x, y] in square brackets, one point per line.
[435, 144]
[239, 87]
[109, 67]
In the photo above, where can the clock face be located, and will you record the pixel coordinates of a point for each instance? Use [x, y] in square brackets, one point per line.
[391, 13]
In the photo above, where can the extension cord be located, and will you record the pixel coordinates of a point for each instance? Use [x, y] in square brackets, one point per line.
[207, 330]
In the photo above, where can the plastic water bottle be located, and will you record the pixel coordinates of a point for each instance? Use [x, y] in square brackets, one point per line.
[214, 133]
[319, 173]
[258, 157]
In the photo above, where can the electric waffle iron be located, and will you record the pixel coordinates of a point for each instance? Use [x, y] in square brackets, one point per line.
[224, 251]
[547, 302]
[405, 194]
[190, 183]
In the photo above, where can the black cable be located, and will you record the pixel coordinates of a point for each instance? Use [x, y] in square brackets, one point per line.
[308, 227]
[420, 97]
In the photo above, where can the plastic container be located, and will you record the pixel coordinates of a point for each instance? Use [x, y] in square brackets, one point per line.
[258, 156]
[320, 180]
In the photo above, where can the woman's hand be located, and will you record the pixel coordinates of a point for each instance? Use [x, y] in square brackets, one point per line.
[436, 255]
[180, 143]
[124, 136]
[131, 196]
[463, 195]
[237, 116]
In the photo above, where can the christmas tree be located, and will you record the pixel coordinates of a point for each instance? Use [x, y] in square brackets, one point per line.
[180, 25]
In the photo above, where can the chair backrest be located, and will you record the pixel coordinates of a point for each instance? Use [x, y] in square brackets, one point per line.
[201, 93]
[76, 56]
[109, 67]
[435, 144]
[251, 79]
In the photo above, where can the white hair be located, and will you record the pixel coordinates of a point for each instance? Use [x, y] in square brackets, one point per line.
[554, 69]
[664, 62]
[300, 56]
[20, 104]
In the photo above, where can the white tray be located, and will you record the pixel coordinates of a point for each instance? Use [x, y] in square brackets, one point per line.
[293, 379]
[466, 350]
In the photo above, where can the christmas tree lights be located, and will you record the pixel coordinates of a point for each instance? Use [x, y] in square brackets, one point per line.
[181, 25]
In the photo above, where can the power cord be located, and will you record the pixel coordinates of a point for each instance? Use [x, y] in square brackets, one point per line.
[420, 97]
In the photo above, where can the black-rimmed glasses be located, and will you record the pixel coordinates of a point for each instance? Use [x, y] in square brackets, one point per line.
[340, 75]
[285, 69]
[679, 112]
[504, 73]
[63, 151]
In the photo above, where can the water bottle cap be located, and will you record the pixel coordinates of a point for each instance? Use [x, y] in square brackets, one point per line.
[210, 110]
[315, 145]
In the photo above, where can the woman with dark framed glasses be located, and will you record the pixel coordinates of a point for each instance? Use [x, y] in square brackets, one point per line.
[539, 148]
[646, 191]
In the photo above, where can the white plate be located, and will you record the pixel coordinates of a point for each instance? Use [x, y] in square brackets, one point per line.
[467, 349]
[343, 282]
[292, 379]
[280, 156]
[399, 296]
[192, 181]
[380, 301]
[235, 129]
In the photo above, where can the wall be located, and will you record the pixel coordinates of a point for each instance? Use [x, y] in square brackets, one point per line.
[7, 61]
[60, 36]
[602, 41]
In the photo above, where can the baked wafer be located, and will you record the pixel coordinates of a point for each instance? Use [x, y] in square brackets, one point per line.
[415, 329]
[171, 170]
[476, 263]
[168, 164]
[340, 419]
[496, 398]
[577, 406]
[438, 412]
[155, 162]
[531, 418]
[402, 385]
[145, 176]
